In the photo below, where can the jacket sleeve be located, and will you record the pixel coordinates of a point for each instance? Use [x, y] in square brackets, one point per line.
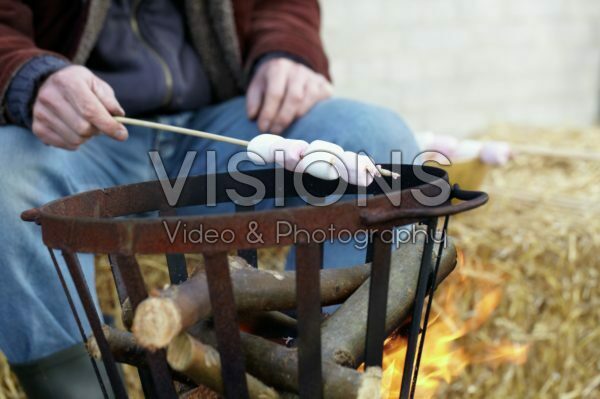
[290, 26]
[17, 45]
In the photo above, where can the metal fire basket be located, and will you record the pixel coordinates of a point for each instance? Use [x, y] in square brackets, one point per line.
[107, 221]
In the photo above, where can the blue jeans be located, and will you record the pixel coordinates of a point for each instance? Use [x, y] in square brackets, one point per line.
[36, 319]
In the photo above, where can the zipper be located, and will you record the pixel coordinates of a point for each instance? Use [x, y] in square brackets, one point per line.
[168, 76]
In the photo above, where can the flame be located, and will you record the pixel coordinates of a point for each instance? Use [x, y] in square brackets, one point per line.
[443, 355]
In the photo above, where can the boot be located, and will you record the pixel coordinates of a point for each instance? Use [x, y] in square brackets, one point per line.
[67, 374]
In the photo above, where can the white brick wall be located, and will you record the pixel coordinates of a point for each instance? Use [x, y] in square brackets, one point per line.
[457, 66]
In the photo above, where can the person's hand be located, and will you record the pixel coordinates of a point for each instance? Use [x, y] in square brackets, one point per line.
[283, 90]
[72, 106]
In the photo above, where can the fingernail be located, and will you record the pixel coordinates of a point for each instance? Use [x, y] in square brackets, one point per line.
[264, 126]
[276, 129]
[122, 133]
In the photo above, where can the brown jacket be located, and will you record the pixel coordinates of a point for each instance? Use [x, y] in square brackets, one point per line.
[229, 35]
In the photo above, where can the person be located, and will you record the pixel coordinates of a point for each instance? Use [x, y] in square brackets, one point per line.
[236, 67]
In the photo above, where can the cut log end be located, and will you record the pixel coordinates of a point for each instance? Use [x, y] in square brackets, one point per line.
[179, 352]
[370, 386]
[343, 358]
[92, 345]
[157, 321]
[202, 364]
[93, 349]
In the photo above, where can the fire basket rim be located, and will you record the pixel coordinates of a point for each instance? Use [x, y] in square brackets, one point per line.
[86, 222]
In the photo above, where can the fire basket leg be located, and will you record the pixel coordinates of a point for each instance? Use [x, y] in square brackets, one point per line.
[77, 319]
[425, 273]
[226, 326]
[92, 315]
[378, 293]
[155, 377]
[369, 253]
[308, 263]
[431, 290]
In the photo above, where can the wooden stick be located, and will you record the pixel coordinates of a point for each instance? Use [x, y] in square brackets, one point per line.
[181, 130]
[566, 203]
[555, 152]
[343, 334]
[202, 364]
[209, 136]
[160, 319]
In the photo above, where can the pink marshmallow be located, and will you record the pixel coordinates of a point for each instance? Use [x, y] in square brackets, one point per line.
[495, 153]
[357, 169]
[446, 145]
[293, 150]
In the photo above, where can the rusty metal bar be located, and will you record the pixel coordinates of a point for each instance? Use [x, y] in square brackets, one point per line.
[226, 325]
[175, 262]
[156, 377]
[126, 316]
[94, 319]
[308, 263]
[249, 255]
[432, 286]
[423, 281]
[177, 268]
[378, 292]
[63, 283]
[369, 252]
[126, 311]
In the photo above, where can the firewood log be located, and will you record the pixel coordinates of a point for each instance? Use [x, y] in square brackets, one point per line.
[271, 324]
[202, 364]
[200, 392]
[271, 362]
[122, 344]
[343, 334]
[159, 319]
[125, 350]
[277, 365]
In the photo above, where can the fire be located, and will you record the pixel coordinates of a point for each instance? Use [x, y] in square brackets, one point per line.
[443, 355]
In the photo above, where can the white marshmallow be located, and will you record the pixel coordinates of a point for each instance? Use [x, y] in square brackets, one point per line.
[324, 146]
[424, 140]
[293, 150]
[260, 148]
[467, 149]
[321, 159]
[319, 164]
